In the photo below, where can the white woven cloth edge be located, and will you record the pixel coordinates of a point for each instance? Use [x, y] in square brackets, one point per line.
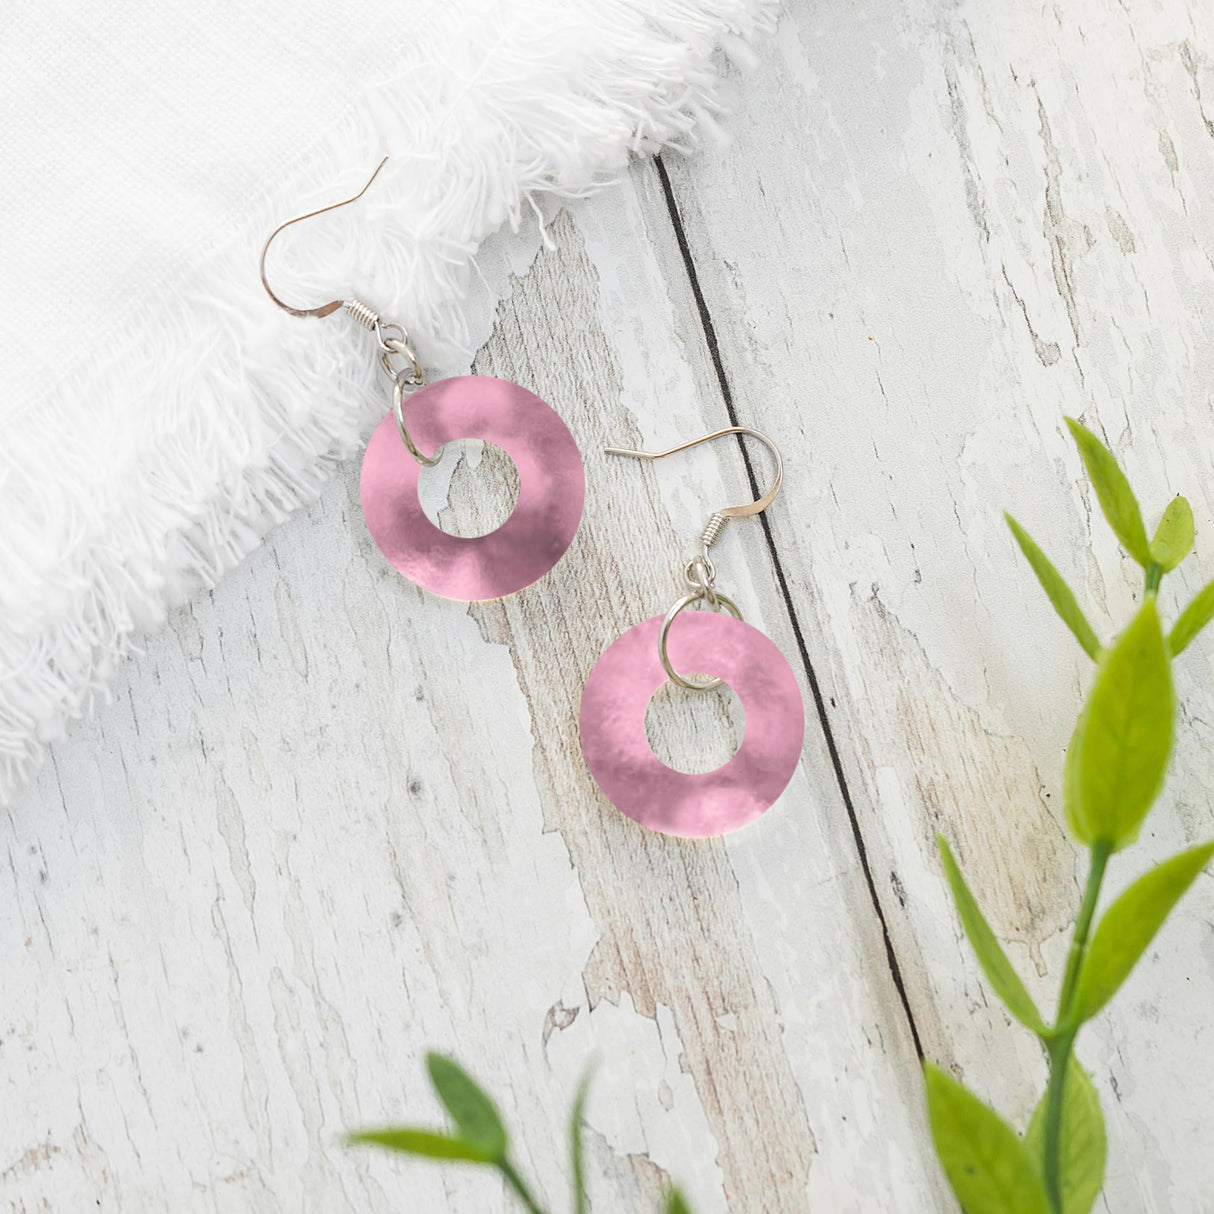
[162, 415]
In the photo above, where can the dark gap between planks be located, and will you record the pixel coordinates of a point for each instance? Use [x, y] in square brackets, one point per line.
[710, 339]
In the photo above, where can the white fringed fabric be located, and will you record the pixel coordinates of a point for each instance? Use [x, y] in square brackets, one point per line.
[159, 414]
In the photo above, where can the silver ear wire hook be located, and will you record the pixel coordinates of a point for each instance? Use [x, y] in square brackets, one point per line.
[720, 517]
[701, 573]
[391, 337]
[332, 306]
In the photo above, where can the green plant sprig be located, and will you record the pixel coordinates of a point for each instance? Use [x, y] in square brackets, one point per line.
[480, 1137]
[1115, 769]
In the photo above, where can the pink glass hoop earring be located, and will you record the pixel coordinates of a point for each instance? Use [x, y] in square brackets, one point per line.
[423, 418]
[611, 721]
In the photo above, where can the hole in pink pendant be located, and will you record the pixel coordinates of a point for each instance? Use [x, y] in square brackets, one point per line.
[695, 731]
[471, 491]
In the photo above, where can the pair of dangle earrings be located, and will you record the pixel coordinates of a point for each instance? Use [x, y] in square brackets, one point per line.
[552, 487]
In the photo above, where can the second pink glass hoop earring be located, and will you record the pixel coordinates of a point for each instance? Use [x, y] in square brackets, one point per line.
[611, 722]
[552, 482]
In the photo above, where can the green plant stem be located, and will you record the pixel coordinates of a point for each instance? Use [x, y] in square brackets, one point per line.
[1062, 1039]
[516, 1182]
[1154, 576]
[1060, 1055]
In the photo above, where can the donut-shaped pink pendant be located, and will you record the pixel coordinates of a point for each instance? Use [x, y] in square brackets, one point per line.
[552, 488]
[612, 725]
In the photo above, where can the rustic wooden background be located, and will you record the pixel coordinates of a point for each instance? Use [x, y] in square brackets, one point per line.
[329, 821]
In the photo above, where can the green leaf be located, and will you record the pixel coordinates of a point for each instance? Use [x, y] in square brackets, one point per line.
[1129, 925]
[580, 1202]
[1059, 593]
[995, 965]
[676, 1204]
[470, 1109]
[1192, 620]
[1083, 1144]
[987, 1164]
[1119, 751]
[1174, 536]
[1113, 491]
[423, 1142]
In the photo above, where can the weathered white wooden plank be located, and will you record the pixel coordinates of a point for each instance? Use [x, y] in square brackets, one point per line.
[986, 218]
[330, 821]
[793, 869]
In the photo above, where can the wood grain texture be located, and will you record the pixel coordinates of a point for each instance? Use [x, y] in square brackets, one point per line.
[330, 821]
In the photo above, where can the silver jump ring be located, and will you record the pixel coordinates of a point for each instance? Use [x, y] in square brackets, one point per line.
[398, 395]
[686, 601]
[701, 573]
[394, 340]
